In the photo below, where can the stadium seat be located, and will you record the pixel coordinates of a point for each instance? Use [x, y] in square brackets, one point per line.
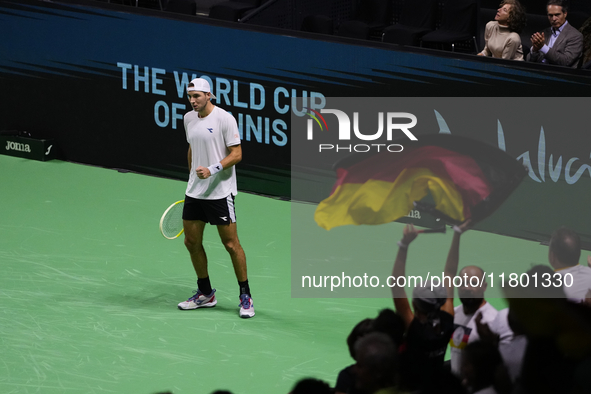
[354, 29]
[370, 15]
[412, 25]
[458, 25]
[233, 10]
[188, 7]
[318, 24]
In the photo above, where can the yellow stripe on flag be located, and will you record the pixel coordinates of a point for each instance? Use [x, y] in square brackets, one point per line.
[378, 202]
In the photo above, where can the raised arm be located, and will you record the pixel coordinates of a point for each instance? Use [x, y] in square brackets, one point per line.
[401, 303]
[451, 266]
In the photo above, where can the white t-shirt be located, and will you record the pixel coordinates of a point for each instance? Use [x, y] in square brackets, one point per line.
[209, 139]
[500, 326]
[512, 347]
[581, 282]
[465, 332]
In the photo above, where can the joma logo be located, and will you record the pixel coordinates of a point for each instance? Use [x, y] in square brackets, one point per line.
[11, 145]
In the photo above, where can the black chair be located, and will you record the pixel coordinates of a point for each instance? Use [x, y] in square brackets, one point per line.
[232, 10]
[370, 17]
[576, 19]
[412, 24]
[376, 13]
[318, 24]
[188, 7]
[153, 4]
[354, 29]
[537, 7]
[458, 25]
[531, 6]
[492, 4]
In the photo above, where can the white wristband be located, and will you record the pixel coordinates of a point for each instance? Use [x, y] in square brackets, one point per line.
[403, 246]
[215, 168]
[457, 229]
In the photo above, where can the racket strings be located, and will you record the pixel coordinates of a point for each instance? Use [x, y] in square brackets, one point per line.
[172, 223]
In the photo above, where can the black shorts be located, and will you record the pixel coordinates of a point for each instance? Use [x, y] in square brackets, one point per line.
[215, 212]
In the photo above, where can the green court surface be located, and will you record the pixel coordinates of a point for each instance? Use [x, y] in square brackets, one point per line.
[89, 288]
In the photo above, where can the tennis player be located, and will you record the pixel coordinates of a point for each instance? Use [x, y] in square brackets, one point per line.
[214, 150]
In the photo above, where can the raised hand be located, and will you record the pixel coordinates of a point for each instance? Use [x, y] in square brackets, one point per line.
[409, 234]
[467, 225]
[537, 41]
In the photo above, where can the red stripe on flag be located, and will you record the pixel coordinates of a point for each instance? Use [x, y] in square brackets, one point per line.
[462, 170]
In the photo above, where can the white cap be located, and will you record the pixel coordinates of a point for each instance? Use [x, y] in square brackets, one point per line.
[200, 85]
[434, 295]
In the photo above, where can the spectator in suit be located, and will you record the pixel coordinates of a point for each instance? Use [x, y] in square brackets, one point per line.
[560, 44]
[586, 32]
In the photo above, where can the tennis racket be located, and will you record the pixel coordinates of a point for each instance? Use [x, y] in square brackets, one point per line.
[171, 223]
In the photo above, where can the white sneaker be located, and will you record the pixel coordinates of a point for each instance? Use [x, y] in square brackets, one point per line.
[199, 300]
[246, 306]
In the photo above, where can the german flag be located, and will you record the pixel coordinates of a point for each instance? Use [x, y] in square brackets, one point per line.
[466, 179]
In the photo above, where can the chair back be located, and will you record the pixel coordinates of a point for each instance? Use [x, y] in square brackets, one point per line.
[188, 7]
[354, 29]
[374, 12]
[419, 13]
[460, 16]
[318, 24]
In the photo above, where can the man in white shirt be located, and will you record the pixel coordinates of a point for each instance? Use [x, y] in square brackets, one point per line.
[564, 253]
[214, 150]
[473, 304]
[506, 332]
